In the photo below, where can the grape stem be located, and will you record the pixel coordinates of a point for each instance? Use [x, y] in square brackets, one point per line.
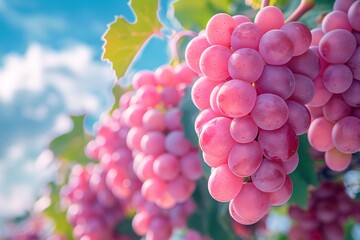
[264, 3]
[304, 7]
[174, 42]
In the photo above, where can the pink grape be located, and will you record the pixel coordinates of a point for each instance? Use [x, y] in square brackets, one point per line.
[191, 166]
[200, 92]
[321, 95]
[238, 218]
[245, 158]
[223, 185]
[153, 142]
[269, 142]
[213, 100]
[133, 115]
[166, 166]
[354, 63]
[336, 20]
[336, 160]
[214, 62]
[270, 111]
[352, 96]
[143, 78]
[304, 89]
[245, 35]
[343, 5]
[346, 135]
[337, 46]
[299, 34]
[215, 138]
[236, 98]
[299, 117]
[219, 29]
[278, 80]
[319, 134]
[173, 119]
[176, 143]
[148, 95]
[291, 163]
[336, 109]
[251, 203]
[270, 176]
[337, 78]
[153, 189]
[316, 35]
[202, 118]
[275, 47]
[141, 222]
[193, 52]
[243, 129]
[307, 64]
[269, 18]
[239, 19]
[246, 64]
[181, 188]
[153, 119]
[170, 97]
[214, 161]
[165, 76]
[354, 15]
[282, 195]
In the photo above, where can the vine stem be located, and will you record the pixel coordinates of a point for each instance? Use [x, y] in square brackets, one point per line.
[264, 3]
[175, 41]
[304, 6]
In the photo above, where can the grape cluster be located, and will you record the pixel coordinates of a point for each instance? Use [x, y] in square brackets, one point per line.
[335, 124]
[164, 160]
[93, 210]
[256, 78]
[329, 208]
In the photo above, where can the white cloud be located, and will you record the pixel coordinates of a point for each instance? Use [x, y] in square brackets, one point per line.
[38, 90]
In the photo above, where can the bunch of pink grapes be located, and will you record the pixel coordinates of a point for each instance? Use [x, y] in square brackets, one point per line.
[164, 159]
[256, 78]
[329, 208]
[335, 124]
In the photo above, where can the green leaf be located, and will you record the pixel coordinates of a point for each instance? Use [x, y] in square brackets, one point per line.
[54, 212]
[71, 146]
[189, 113]
[348, 227]
[304, 175]
[123, 40]
[195, 14]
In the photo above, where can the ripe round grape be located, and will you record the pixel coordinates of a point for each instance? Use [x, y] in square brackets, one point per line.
[193, 52]
[346, 135]
[336, 20]
[299, 34]
[214, 62]
[337, 78]
[304, 89]
[269, 18]
[319, 134]
[219, 29]
[243, 129]
[200, 92]
[353, 15]
[246, 35]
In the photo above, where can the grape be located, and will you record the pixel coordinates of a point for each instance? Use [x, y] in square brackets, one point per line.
[148, 95]
[337, 46]
[299, 117]
[270, 176]
[141, 222]
[300, 36]
[336, 109]
[269, 18]
[239, 218]
[191, 165]
[304, 89]
[243, 129]
[133, 115]
[246, 64]
[352, 96]
[193, 52]
[343, 5]
[282, 195]
[219, 29]
[202, 118]
[337, 78]
[236, 98]
[270, 111]
[165, 76]
[214, 161]
[319, 134]
[316, 35]
[275, 47]
[278, 80]
[214, 62]
[291, 163]
[239, 19]
[269, 140]
[346, 135]
[354, 15]
[326, 212]
[170, 97]
[181, 188]
[143, 78]
[223, 184]
[213, 100]
[176, 143]
[245, 35]
[307, 64]
[336, 20]
[166, 166]
[245, 158]
[153, 142]
[215, 138]
[321, 95]
[153, 119]
[173, 119]
[200, 92]
[251, 203]
[354, 63]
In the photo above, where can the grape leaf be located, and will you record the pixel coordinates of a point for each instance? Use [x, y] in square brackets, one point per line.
[123, 40]
[195, 14]
[189, 113]
[304, 175]
[58, 216]
[71, 146]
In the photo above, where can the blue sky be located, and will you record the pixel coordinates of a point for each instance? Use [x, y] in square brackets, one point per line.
[50, 68]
